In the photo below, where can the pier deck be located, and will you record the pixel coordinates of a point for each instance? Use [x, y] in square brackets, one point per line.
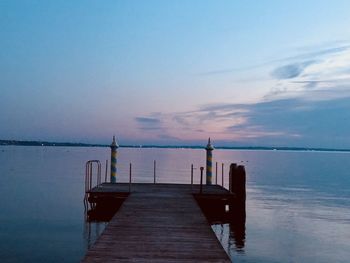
[158, 223]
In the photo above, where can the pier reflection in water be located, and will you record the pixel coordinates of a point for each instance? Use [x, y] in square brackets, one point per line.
[96, 219]
[92, 231]
[230, 228]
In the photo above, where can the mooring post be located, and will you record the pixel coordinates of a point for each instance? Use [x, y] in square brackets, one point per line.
[233, 168]
[201, 187]
[130, 167]
[154, 171]
[239, 184]
[238, 187]
[209, 149]
[114, 146]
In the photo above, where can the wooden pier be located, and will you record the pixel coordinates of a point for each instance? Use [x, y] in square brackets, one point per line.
[159, 223]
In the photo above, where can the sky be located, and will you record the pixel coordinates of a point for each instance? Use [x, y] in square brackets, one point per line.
[245, 73]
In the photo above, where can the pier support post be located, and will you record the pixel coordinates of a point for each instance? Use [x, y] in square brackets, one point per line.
[114, 146]
[209, 170]
[238, 187]
[232, 173]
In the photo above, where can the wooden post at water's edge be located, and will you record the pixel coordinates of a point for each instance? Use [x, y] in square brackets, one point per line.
[237, 185]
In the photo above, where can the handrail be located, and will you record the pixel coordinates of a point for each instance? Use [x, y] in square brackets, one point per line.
[89, 172]
[154, 170]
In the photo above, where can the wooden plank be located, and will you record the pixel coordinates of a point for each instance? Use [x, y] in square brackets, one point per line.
[158, 223]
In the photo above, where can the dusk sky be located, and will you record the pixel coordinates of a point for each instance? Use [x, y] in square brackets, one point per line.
[253, 73]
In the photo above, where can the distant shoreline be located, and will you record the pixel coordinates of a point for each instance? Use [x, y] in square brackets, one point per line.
[68, 144]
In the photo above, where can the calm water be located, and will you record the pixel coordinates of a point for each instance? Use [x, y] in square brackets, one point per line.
[298, 203]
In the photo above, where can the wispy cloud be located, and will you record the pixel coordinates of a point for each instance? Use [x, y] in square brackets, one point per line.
[156, 126]
[147, 120]
[148, 123]
[291, 71]
[298, 121]
[308, 97]
[293, 121]
[295, 62]
[318, 70]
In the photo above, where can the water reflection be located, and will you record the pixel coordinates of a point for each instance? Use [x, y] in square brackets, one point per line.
[97, 214]
[295, 213]
[237, 233]
[232, 233]
[92, 230]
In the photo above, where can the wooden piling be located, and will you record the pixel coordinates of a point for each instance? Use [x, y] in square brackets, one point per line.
[232, 173]
[238, 187]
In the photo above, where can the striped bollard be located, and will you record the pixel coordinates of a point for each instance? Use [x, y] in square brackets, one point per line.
[209, 171]
[114, 146]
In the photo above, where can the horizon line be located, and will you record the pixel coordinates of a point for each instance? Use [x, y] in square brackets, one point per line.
[79, 144]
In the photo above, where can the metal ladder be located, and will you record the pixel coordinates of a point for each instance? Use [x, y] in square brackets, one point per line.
[89, 178]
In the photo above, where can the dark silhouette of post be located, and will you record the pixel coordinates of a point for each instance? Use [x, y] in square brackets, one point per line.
[154, 171]
[238, 187]
[201, 183]
[191, 176]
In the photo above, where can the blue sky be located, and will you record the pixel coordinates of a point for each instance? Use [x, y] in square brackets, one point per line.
[273, 73]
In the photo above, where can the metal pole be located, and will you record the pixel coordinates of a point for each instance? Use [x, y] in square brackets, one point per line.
[114, 146]
[106, 171]
[98, 173]
[90, 182]
[191, 174]
[130, 167]
[216, 172]
[222, 174]
[154, 171]
[200, 187]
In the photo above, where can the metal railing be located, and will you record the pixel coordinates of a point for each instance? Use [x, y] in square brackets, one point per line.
[93, 168]
[89, 174]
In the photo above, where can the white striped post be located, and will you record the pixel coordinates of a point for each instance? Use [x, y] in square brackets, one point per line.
[209, 170]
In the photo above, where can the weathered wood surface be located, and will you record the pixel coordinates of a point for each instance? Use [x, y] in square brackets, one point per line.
[158, 223]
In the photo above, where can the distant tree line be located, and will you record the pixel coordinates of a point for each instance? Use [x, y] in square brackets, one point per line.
[45, 143]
